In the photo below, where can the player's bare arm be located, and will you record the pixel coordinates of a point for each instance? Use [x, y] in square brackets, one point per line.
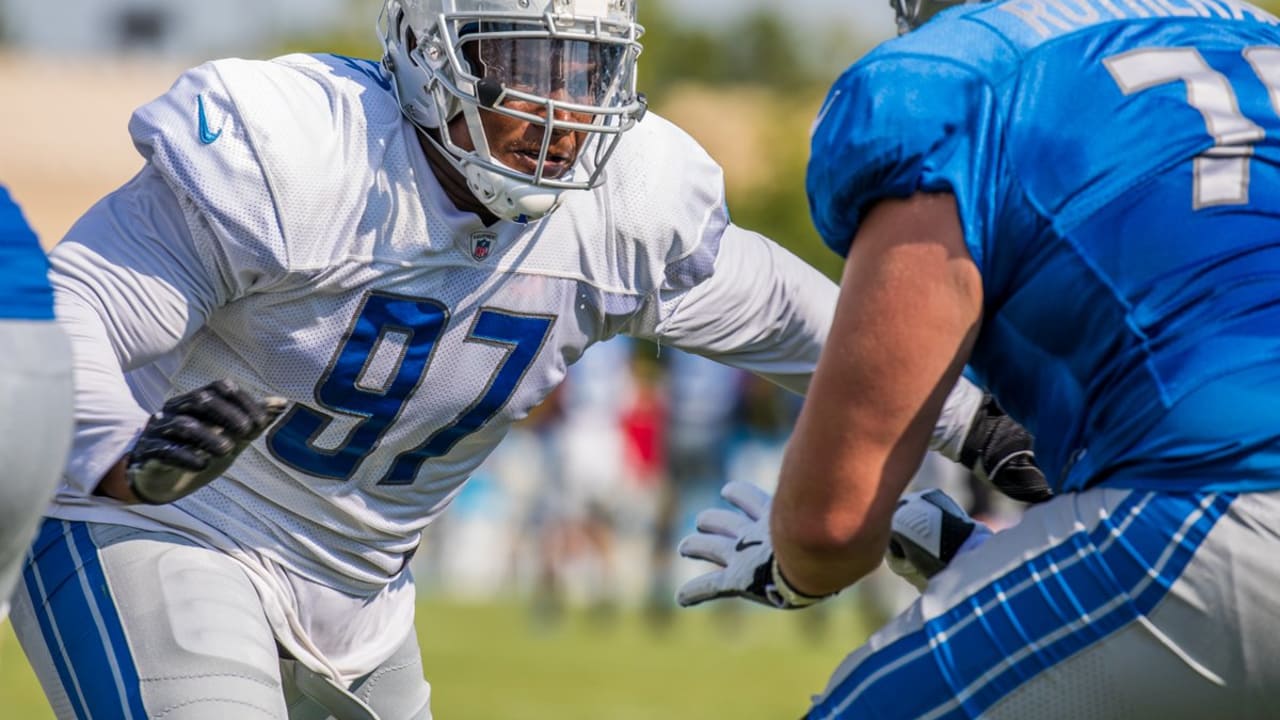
[907, 317]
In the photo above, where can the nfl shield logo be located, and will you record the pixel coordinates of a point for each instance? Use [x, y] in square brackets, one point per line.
[482, 244]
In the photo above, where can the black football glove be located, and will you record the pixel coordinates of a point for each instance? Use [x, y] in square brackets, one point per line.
[999, 450]
[194, 439]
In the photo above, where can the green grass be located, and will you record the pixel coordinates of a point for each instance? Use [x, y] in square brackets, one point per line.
[492, 663]
[18, 686]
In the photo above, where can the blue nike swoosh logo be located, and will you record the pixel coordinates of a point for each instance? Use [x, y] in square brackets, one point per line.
[206, 137]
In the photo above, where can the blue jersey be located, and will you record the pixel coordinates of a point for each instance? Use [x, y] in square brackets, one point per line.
[24, 269]
[1116, 165]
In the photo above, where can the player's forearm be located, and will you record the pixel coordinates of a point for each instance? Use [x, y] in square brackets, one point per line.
[817, 561]
[830, 517]
[857, 442]
[909, 306]
[108, 418]
[126, 293]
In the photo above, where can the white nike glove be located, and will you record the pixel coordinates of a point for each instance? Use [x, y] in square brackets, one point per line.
[929, 530]
[738, 541]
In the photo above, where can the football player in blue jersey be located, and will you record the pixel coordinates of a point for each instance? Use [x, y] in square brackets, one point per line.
[1079, 200]
[35, 392]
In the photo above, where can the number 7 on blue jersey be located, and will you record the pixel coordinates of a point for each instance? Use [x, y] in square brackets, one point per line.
[1222, 171]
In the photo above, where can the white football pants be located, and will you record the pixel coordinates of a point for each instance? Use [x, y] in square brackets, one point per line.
[35, 435]
[120, 622]
[1102, 604]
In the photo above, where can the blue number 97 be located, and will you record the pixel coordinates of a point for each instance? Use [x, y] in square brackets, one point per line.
[420, 323]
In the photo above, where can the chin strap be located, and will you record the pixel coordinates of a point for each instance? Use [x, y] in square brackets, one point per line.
[506, 198]
[509, 199]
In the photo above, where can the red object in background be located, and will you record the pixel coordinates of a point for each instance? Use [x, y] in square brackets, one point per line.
[643, 427]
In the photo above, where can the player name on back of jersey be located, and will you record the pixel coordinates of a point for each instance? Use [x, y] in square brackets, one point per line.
[1048, 18]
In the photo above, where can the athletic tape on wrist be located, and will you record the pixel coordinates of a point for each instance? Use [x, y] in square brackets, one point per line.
[788, 592]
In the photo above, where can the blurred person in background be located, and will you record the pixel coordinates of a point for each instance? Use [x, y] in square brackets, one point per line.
[586, 484]
[644, 426]
[701, 398]
[35, 389]
[644, 429]
[327, 295]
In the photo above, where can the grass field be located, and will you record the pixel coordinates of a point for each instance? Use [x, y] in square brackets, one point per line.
[491, 663]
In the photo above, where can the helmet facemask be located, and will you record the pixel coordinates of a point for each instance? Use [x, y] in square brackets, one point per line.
[559, 71]
[911, 14]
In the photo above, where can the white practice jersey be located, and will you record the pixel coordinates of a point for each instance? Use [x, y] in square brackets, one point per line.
[288, 233]
[315, 257]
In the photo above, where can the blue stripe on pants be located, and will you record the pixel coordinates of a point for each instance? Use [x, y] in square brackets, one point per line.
[1033, 617]
[80, 624]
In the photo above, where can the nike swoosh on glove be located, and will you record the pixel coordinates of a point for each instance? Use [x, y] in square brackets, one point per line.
[738, 542]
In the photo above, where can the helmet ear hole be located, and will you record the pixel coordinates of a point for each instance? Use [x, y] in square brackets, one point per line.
[399, 29]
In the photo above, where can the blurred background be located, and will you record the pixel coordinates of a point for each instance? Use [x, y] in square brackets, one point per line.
[546, 590]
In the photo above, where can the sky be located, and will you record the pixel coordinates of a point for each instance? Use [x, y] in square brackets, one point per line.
[872, 19]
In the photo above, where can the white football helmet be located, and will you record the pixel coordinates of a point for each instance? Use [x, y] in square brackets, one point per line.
[913, 13]
[569, 58]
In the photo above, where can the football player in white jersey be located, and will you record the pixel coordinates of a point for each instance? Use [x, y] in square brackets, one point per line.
[332, 288]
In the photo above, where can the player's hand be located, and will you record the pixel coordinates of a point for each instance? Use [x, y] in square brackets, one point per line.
[928, 531]
[999, 450]
[738, 542]
[194, 439]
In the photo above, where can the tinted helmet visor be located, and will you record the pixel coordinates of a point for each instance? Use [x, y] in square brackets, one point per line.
[577, 71]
